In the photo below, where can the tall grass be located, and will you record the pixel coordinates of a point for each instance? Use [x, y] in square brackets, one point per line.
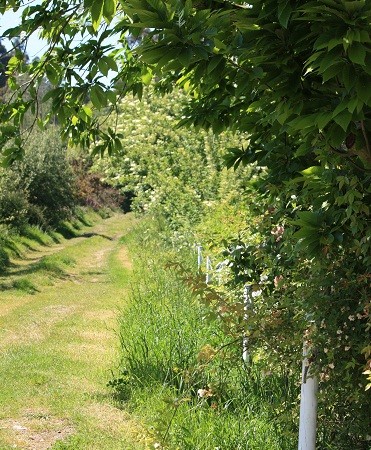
[182, 376]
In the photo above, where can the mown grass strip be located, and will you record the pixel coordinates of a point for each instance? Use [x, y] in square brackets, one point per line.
[59, 345]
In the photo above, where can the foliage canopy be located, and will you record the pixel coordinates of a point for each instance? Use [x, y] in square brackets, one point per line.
[296, 76]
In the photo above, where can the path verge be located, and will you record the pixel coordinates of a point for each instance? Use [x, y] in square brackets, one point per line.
[58, 344]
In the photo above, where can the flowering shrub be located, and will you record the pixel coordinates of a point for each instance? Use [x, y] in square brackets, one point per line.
[168, 171]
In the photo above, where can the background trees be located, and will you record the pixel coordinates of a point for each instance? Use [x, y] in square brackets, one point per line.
[40, 189]
[166, 170]
[295, 78]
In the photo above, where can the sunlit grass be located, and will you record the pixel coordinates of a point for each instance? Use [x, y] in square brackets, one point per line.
[59, 345]
[163, 330]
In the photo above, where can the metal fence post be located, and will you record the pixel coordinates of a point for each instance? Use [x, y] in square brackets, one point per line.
[199, 256]
[247, 301]
[308, 406]
[208, 269]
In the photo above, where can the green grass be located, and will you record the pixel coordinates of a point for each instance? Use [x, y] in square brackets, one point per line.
[68, 366]
[59, 344]
[163, 331]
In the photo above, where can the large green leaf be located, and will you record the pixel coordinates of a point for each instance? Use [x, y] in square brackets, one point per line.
[109, 9]
[98, 96]
[96, 11]
[357, 53]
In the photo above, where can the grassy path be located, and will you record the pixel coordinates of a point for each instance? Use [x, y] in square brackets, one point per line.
[59, 343]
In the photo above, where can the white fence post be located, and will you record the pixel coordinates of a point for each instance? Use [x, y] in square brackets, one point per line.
[308, 406]
[199, 256]
[208, 269]
[247, 301]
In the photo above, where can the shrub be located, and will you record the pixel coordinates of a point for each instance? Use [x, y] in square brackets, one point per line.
[48, 177]
[14, 207]
[40, 189]
[165, 170]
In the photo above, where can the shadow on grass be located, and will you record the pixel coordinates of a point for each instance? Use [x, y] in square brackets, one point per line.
[22, 284]
[28, 246]
[34, 235]
[45, 264]
[88, 235]
[85, 221]
[12, 247]
[93, 272]
[67, 230]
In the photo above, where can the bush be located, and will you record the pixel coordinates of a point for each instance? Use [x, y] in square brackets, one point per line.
[166, 170]
[14, 207]
[40, 189]
[48, 178]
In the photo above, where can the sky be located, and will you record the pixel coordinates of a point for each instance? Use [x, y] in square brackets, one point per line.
[35, 47]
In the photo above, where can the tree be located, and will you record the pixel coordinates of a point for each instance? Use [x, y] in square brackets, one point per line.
[289, 72]
[4, 58]
[294, 76]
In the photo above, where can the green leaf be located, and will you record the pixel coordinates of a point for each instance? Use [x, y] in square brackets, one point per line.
[354, 5]
[309, 219]
[111, 63]
[50, 94]
[13, 63]
[96, 13]
[109, 9]
[98, 97]
[340, 107]
[214, 63]
[170, 57]
[357, 53]
[344, 119]
[332, 72]
[313, 170]
[335, 135]
[363, 89]
[365, 36]
[352, 104]
[147, 77]
[88, 111]
[348, 77]
[103, 67]
[333, 43]
[306, 232]
[300, 123]
[153, 54]
[284, 12]
[323, 119]
[185, 56]
[53, 74]
[111, 96]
